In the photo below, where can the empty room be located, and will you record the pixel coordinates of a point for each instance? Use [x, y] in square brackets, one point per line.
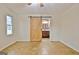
[39, 29]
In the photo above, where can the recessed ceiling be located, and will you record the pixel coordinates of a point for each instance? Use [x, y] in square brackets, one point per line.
[49, 8]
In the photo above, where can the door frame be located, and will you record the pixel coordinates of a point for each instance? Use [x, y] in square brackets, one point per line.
[50, 39]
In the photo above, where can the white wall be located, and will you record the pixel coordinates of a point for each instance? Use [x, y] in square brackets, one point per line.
[4, 39]
[68, 27]
[23, 26]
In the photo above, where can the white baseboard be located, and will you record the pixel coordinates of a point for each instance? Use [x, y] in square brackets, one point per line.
[7, 45]
[69, 46]
[23, 40]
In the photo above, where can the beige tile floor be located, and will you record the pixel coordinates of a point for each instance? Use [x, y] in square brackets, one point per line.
[39, 48]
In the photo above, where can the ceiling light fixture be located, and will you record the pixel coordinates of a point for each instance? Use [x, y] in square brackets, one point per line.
[41, 4]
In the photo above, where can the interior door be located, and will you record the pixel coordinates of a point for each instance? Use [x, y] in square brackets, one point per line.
[35, 28]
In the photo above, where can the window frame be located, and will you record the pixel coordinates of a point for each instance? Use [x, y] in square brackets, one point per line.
[10, 25]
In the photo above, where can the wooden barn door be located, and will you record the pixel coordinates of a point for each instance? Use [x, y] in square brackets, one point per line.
[35, 28]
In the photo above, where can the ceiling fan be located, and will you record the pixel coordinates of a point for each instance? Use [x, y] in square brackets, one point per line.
[41, 4]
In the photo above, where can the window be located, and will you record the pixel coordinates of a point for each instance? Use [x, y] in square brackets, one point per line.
[9, 25]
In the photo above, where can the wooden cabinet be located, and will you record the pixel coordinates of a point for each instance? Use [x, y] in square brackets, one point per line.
[45, 34]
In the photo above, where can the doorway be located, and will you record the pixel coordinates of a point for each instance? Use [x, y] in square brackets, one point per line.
[45, 28]
[39, 28]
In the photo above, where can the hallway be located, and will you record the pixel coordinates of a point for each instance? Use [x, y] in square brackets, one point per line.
[39, 48]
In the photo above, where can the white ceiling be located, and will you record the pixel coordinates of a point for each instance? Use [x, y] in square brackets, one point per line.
[49, 8]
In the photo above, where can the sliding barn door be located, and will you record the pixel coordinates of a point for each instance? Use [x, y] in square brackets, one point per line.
[35, 28]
